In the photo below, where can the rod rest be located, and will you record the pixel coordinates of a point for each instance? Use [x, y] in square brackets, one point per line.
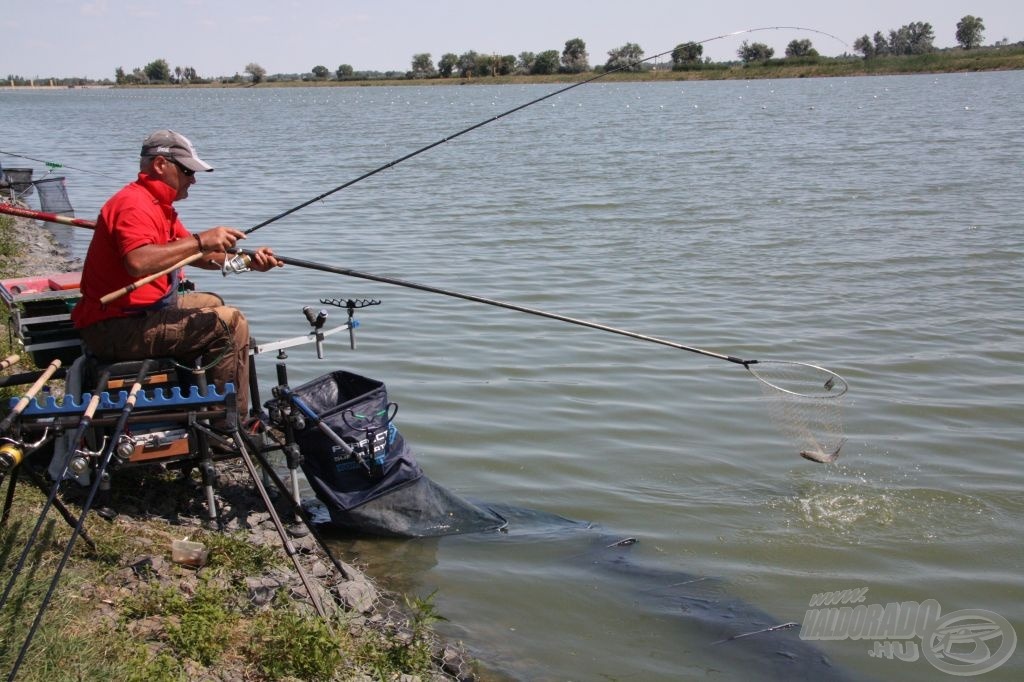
[157, 398]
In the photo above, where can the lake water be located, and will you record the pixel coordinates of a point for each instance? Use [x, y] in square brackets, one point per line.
[870, 225]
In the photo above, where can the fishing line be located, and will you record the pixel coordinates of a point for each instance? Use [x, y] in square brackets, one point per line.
[53, 165]
[502, 115]
[805, 399]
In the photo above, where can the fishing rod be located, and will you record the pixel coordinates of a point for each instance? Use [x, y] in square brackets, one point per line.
[804, 397]
[9, 361]
[391, 164]
[804, 380]
[20, 406]
[11, 209]
[417, 152]
[770, 372]
[76, 442]
[119, 429]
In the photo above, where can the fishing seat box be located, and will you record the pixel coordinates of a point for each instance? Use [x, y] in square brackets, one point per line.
[39, 315]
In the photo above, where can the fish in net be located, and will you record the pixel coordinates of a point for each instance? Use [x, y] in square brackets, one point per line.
[806, 402]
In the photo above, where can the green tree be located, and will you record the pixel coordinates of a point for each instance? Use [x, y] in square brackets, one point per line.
[801, 48]
[484, 65]
[686, 55]
[545, 63]
[754, 52]
[344, 71]
[506, 64]
[467, 63]
[969, 32]
[189, 74]
[881, 44]
[864, 46]
[119, 76]
[423, 65]
[320, 72]
[574, 56]
[255, 71]
[158, 71]
[625, 58]
[524, 63]
[447, 64]
[913, 38]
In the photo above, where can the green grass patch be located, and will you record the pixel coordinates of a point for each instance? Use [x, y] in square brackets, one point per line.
[288, 644]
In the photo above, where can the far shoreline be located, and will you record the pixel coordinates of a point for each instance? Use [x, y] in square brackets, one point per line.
[951, 61]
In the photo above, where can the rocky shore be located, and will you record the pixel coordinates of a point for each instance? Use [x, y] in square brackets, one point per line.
[138, 581]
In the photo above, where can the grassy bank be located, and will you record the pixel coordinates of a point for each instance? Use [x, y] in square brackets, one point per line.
[121, 612]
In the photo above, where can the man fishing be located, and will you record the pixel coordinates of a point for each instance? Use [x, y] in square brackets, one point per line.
[138, 234]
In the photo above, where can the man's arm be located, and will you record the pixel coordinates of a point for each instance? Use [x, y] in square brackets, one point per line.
[152, 258]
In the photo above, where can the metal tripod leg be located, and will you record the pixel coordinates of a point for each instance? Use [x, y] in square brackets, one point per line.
[289, 548]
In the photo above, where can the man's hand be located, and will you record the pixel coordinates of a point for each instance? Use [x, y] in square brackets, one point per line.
[219, 239]
[263, 259]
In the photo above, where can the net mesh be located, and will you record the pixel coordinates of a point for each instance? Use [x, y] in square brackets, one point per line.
[806, 402]
[53, 196]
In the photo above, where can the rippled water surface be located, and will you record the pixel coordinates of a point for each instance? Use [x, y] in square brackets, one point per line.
[869, 225]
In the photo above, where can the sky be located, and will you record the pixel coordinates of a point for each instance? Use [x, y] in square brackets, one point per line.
[91, 38]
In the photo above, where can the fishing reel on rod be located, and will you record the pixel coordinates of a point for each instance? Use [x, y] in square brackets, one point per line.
[13, 451]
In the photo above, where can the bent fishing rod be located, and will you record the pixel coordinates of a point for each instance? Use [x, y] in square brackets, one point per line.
[628, 66]
[795, 378]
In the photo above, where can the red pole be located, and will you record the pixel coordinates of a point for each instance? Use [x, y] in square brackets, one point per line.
[11, 209]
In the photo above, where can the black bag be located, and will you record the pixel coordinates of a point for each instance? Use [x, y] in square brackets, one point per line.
[380, 489]
[357, 409]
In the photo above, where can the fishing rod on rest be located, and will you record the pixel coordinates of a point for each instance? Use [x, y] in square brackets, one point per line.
[9, 361]
[20, 406]
[108, 453]
[76, 441]
[11, 209]
[391, 164]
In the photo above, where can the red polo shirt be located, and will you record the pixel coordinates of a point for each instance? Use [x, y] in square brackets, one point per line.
[139, 214]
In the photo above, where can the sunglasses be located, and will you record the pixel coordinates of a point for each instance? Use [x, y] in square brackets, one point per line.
[188, 172]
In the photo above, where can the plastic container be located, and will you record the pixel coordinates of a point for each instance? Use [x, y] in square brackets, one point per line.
[189, 553]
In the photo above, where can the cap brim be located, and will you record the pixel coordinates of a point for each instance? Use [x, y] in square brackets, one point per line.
[194, 163]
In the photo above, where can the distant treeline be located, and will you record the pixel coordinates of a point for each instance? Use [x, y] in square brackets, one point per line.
[911, 40]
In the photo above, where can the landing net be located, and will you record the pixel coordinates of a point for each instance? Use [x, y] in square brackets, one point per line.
[53, 196]
[806, 401]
